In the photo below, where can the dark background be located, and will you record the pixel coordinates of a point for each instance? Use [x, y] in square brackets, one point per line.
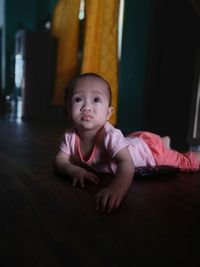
[157, 68]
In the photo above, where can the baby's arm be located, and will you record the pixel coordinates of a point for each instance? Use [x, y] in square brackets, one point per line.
[110, 197]
[77, 174]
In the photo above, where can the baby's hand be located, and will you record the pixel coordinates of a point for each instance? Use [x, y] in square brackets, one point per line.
[82, 175]
[109, 198]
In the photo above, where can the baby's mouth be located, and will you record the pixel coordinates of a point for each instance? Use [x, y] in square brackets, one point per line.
[86, 117]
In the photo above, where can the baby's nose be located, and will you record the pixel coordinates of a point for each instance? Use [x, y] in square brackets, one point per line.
[86, 107]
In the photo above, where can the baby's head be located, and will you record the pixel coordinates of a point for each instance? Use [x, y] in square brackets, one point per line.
[89, 76]
[88, 100]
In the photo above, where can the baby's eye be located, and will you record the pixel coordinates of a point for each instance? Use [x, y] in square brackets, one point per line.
[97, 99]
[77, 99]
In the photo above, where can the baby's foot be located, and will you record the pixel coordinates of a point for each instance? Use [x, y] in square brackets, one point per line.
[166, 141]
[197, 153]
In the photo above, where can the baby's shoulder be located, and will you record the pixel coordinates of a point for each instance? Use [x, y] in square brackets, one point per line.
[69, 134]
[112, 134]
[110, 129]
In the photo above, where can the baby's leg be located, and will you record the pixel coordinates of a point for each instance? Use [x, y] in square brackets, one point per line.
[164, 155]
[166, 141]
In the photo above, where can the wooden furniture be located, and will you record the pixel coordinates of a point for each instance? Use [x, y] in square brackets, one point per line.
[37, 53]
[47, 222]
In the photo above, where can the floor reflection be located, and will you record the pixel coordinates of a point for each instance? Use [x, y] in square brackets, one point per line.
[14, 109]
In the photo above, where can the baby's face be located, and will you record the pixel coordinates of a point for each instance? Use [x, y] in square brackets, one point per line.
[89, 104]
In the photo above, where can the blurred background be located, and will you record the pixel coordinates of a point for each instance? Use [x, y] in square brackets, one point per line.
[149, 50]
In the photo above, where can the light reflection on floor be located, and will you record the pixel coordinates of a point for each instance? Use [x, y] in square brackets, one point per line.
[15, 113]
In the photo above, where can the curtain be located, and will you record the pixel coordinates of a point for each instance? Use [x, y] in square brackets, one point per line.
[100, 50]
[100, 45]
[65, 27]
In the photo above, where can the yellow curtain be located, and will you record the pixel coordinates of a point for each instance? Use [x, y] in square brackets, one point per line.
[65, 27]
[100, 52]
[100, 48]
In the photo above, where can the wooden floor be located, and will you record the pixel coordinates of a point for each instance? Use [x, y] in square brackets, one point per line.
[46, 222]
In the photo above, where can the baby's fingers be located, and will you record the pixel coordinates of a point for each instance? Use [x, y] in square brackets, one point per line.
[107, 201]
[113, 203]
[101, 201]
[81, 182]
[92, 178]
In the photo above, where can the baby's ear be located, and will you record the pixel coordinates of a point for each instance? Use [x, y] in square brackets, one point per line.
[110, 112]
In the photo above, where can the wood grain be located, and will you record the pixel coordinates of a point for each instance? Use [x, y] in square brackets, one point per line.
[45, 221]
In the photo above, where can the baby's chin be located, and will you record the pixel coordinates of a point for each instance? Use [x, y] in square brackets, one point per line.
[88, 126]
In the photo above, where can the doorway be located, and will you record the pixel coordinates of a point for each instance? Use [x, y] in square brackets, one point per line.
[194, 134]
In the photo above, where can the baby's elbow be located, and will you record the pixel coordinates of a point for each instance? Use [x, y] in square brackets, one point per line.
[58, 162]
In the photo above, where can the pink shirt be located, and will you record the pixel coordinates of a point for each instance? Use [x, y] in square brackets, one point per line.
[109, 141]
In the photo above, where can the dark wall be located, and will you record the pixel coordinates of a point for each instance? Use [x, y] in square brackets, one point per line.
[157, 68]
[171, 68]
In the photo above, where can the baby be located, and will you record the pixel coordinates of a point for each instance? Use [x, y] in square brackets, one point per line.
[94, 145]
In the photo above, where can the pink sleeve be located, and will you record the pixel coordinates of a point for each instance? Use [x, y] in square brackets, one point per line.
[67, 143]
[114, 142]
